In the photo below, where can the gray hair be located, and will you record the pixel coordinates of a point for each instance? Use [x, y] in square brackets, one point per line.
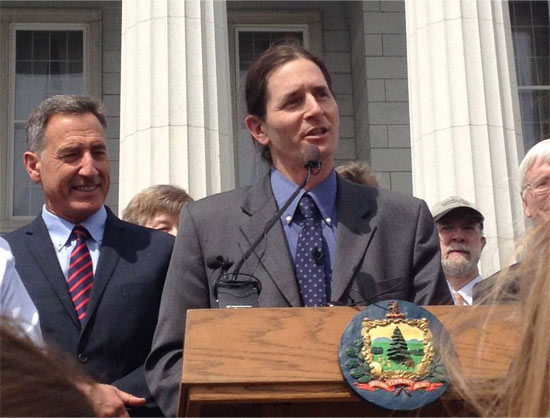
[66, 103]
[539, 150]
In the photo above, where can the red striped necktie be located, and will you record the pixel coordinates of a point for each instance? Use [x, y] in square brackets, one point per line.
[81, 273]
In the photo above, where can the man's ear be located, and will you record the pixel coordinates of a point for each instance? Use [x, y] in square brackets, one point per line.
[255, 127]
[483, 242]
[32, 165]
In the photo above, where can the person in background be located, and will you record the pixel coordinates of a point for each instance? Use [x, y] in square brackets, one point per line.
[338, 242]
[535, 182]
[534, 172]
[157, 207]
[95, 280]
[460, 228]
[39, 381]
[523, 391]
[15, 302]
[358, 172]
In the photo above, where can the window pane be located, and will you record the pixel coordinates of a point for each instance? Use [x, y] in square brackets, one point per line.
[23, 43]
[540, 13]
[535, 108]
[47, 63]
[41, 45]
[58, 45]
[520, 13]
[531, 35]
[75, 42]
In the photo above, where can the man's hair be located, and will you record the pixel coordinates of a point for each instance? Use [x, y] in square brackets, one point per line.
[162, 198]
[65, 103]
[275, 56]
[358, 172]
[540, 150]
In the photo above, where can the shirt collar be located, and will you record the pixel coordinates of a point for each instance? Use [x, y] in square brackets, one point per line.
[60, 229]
[466, 291]
[324, 195]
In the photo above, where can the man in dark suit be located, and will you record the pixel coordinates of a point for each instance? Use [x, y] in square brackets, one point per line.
[95, 280]
[337, 242]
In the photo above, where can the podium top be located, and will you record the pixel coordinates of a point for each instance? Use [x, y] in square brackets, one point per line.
[299, 345]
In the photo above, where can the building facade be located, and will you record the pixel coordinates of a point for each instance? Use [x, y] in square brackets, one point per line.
[440, 97]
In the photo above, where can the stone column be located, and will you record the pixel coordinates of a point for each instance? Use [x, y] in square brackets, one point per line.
[464, 114]
[175, 118]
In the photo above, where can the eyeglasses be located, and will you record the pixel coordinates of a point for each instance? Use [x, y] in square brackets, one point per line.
[540, 186]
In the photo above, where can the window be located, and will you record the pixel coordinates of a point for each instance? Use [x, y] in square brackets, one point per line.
[531, 37]
[248, 40]
[43, 53]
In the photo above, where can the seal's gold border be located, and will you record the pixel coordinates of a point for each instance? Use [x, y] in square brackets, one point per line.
[421, 368]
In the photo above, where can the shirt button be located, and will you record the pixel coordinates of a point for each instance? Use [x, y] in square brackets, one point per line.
[83, 358]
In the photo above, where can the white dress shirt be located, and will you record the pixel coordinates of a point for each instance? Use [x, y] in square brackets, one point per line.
[466, 291]
[15, 302]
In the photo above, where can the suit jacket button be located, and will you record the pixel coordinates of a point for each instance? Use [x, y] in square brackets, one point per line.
[83, 358]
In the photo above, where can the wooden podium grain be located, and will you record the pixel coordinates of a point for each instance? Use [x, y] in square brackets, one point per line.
[284, 361]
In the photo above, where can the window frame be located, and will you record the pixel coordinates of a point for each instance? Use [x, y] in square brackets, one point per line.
[89, 21]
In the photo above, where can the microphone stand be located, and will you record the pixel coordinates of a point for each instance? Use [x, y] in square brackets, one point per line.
[310, 165]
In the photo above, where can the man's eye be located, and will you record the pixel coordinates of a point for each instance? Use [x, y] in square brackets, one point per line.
[100, 153]
[323, 94]
[543, 182]
[70, 156]
[293, 102]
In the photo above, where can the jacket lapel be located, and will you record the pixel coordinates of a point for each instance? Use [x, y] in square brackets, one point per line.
[41, 249]
[356, 227]
[260, 206]
[109, 255]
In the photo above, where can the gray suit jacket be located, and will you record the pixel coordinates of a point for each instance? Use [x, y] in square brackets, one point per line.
[122, 314]
[387, 248]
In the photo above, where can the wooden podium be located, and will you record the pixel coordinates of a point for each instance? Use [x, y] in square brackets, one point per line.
[284, 361]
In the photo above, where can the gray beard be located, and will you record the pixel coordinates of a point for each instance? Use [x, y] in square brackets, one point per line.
[458, 267]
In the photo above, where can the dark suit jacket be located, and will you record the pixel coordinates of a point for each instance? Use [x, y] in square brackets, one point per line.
[483, 293]
[387, 248]
[122, 313]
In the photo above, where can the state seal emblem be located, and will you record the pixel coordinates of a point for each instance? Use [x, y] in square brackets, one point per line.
[389, 355]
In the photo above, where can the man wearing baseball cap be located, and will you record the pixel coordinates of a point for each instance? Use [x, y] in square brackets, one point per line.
[460, 228]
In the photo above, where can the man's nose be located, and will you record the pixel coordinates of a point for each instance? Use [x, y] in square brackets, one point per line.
[457, 234]
[87, 166]
[313, 108]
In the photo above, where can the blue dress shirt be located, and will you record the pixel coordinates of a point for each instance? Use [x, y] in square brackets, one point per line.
[324, 195]
[60, 233]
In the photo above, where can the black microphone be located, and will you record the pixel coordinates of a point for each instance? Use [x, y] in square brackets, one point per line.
[312, 156]
[215, 262]
[228, 281]
[319, 256]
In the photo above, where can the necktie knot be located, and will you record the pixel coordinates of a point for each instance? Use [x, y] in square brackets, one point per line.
[460, 300]
[307, 207]
[81, 232]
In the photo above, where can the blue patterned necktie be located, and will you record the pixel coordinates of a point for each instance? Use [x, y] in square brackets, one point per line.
[310, 274]
[81, 273]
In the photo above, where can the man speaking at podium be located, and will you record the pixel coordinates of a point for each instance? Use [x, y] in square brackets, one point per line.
[335, 243]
